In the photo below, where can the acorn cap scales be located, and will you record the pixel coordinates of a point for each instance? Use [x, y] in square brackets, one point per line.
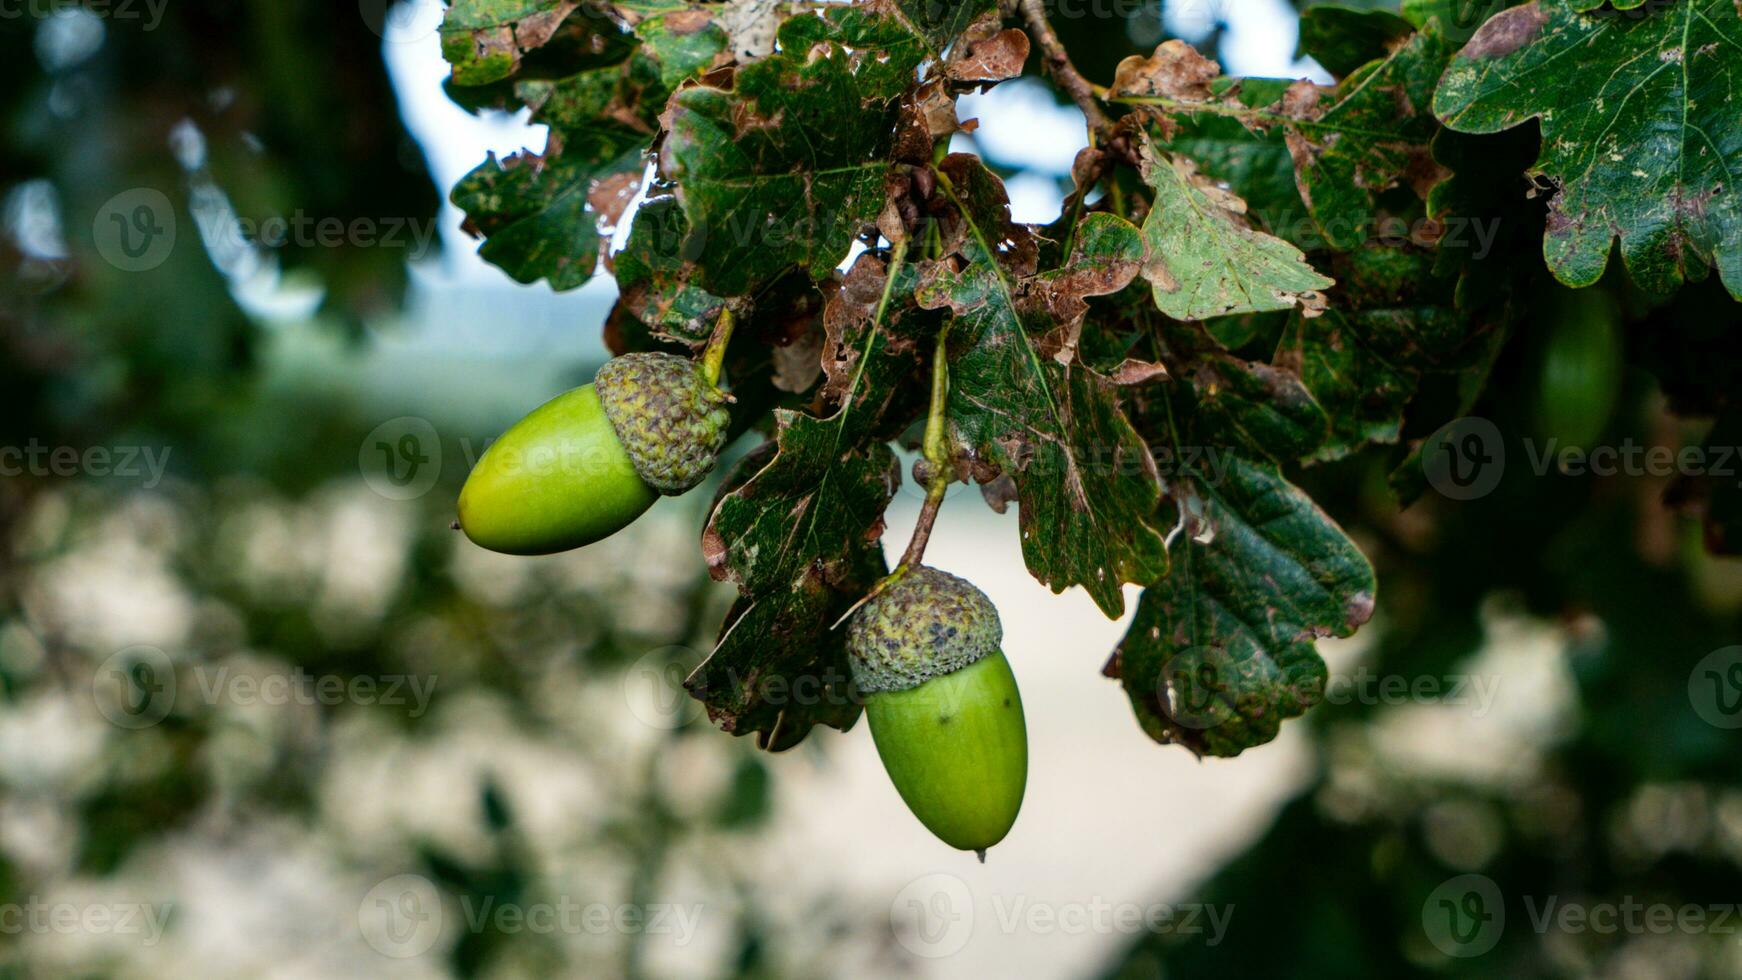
[671, 421]
[925, 625]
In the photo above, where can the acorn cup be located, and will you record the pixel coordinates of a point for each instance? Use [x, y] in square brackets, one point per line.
[585, 464]
[943, 705]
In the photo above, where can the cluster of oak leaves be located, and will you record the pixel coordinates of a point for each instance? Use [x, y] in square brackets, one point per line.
[1253, 273]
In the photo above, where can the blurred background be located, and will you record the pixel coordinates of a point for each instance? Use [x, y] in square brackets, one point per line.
[262, 714]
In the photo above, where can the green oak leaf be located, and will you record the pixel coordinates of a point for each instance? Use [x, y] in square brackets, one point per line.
[780, 668]
[784, 167]
[800, 534]
[1362, 394]
[1455, 20]
[540, 214]
[654, 275]
[1343, 39]
[1371, 133]
[931, 26]
[1395, 321]
[1086, 483]
[833, 476]
[630, 95]
[1262, 409]
[490, 41]
[533, 211]
[1255, 165]
[478, 36]
[1349, 144]
[678, 38]
[1221, 649]
[487, 41]
[1205, 260]
[1267, 410]
[1639, 123]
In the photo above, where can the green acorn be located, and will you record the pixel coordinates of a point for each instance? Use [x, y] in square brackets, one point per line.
[943, 705]
[585, 464]
[1583, 359]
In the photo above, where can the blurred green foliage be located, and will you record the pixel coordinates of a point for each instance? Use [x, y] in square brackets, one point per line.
[1620, 788]
[267, 551]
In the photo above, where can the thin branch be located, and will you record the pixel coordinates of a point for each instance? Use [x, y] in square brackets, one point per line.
[1058, 62]
[937, 456]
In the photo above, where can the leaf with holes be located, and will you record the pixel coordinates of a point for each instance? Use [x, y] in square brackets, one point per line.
[655, 272]
[479, 37]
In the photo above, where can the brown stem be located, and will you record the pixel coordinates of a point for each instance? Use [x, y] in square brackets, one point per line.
[1058, 62]
[928, 516]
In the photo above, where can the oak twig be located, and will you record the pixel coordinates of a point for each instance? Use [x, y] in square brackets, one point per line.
[1058, 62]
